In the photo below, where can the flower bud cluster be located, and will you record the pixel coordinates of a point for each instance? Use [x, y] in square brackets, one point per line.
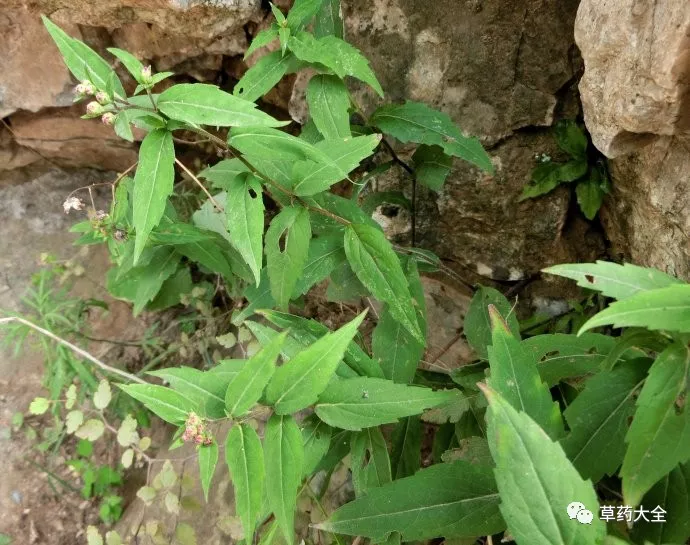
[195, 431]
[85, 88]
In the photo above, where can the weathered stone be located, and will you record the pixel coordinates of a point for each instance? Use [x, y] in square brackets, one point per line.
[637, 64]
[33, 74]
[61, 135]
[648, 216]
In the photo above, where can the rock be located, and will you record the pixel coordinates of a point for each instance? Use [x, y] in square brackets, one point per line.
[61, 135]
[648, 216]
[637, 109]
[33, 74]
[637, 63]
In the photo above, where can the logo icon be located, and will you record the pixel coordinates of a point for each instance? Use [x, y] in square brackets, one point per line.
[577, 510]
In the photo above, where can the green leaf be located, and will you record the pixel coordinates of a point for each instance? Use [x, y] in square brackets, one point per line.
[223, 173]
[515, 377]
[208, 458]
[173, 233]
[39, 405]
[298, 383]
[369, 461]
[280, 18]
[245, 458]
[301, 12]
[659, 435]
[431, 166]
[328, 21]
[474, 450]
[91, 430]
[263, 76]
[363, 402]
[545, 178]
[316, 437]
[341, 156]
[612, 279]
[208, 254]
[590, 195]
[377, 266]
[560, 356]
[325, 254]
[329, 102]
[204, 389]
[262, 39]
[287, 249]
[536, 481]
[406, 446]
[416, 122]
[598, 420]
[571, 138]
[168, 404]
[672, 493]
[248, 385]
[103, 395]
[284, 463]
[477, 326]
[246, 220]
[203, 104]
[153, 184]
[392, 345]
[131, 63]
[273, 145]
[335, 54]
[663, 308]
[73, 420]
[82, 61]
[444, 500]
[309, 331]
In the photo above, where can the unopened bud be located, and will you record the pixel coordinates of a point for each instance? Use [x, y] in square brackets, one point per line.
[147, 74]
[103, 98]
[94, 108]
[108, 118]
[85, 88]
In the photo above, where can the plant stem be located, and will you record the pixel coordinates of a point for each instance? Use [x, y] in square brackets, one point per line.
[198, 182]
[74, 348]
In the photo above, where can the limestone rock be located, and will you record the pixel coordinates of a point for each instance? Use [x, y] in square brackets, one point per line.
[33, 74]
[637, 63]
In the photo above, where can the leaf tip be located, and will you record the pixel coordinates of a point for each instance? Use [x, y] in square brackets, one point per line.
[497, 320]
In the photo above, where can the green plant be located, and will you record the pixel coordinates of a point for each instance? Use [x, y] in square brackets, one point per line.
[511, 451]
[585, 168]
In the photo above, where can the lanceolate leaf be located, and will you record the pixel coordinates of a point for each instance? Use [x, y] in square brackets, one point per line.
[432, 166]
[208, 458]
[248, 385]
[560, 356]
[444, 500]
[223, 173]
[406, 447]
[245, 459]
[287, 248]
[416, 122]
[663, 308]
[316, 436]
[477, 325]
[203, 388]
[598, 420]
[273, 145]
[537, 482]
[284, 463]
[659, 435]
[515, 377]
[203, 104]
[336, 54]
[672, 493]
[130, 62]
[301, 12]
[170, 405]
[325, 254]
[208, 254]
[297, 384]
[328, 20]
[153, 184]
[371, 466]
[612, 279]
[341, 156]
[329, 102]
[377, 266]
[263, 76]
[245, 216]
[356, 403]
[262, 39]
[82, 61]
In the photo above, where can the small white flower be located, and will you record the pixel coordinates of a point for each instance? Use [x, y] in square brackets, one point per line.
[94, 108]
[108, 118]
[72, 203]
[146, 74]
